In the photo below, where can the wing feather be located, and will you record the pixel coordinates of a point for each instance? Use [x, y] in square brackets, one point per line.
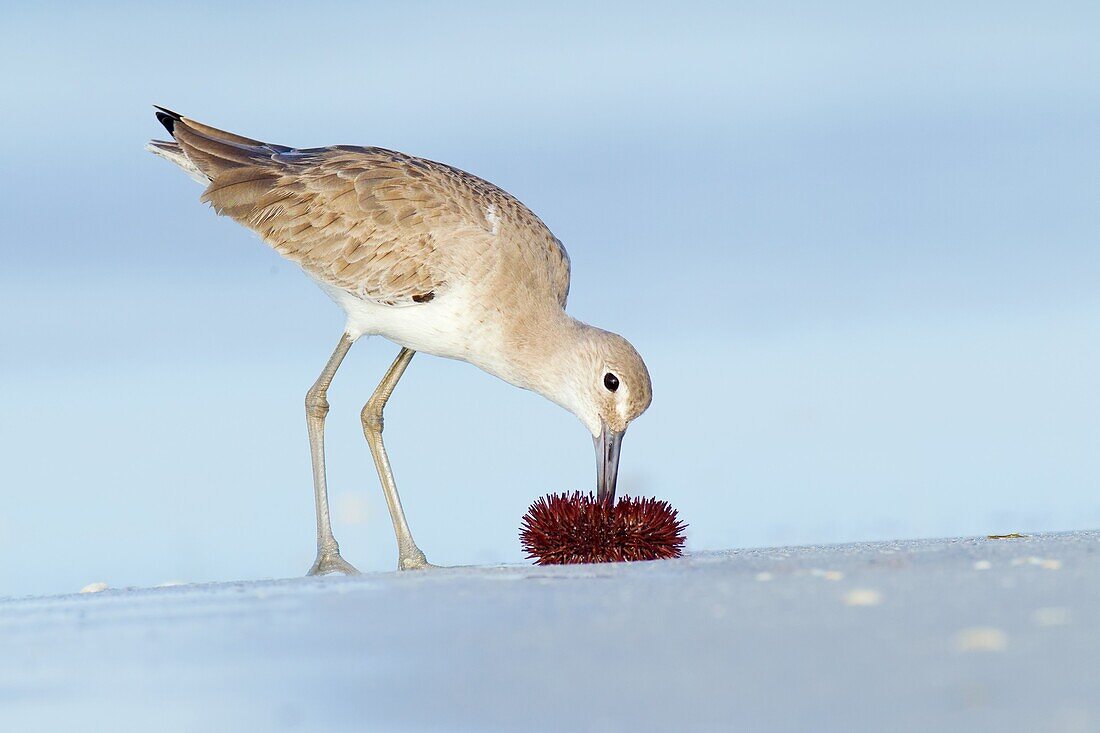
[374, 222]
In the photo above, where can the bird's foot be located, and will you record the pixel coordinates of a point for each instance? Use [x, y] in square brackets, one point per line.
[413, 559]
[329, 561]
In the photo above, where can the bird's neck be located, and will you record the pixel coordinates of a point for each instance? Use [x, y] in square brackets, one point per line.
[543, 355]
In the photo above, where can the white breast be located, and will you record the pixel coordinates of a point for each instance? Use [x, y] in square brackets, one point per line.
[446, 327]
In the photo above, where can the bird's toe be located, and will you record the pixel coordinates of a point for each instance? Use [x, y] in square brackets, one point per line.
[329, 562]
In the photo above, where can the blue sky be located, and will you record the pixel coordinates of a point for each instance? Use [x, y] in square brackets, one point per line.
[856, 245]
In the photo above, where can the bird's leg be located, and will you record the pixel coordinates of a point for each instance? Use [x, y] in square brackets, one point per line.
[409, 555]
[328, 552]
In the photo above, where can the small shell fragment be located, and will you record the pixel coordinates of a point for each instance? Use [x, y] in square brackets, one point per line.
[862, 597]
[981, 639]
[1052, 616]
[1045, 563]
[827, 574]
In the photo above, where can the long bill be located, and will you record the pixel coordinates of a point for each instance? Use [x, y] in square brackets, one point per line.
[608, 444]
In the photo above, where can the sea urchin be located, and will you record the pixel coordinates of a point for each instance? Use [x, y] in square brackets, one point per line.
[561, 529]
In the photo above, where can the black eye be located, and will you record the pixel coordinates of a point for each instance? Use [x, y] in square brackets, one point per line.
[611, 382]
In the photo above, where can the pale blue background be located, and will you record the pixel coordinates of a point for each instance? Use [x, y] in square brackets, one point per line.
[856, 243]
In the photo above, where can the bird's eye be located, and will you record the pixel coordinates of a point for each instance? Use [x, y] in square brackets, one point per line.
[611, 382]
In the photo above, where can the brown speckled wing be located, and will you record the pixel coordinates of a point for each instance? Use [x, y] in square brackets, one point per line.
[381, 224]
[357, 221]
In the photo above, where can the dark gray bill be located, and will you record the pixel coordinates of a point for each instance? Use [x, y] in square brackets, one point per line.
[608, 445]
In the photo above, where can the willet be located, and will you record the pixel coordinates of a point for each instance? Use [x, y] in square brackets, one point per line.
[432, 258]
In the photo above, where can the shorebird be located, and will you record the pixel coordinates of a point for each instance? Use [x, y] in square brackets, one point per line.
[433, 259]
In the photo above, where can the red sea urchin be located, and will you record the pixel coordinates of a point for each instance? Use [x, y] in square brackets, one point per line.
[560, 529]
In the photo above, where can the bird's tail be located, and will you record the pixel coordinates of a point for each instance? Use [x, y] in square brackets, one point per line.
[205, 152]
[171, 151]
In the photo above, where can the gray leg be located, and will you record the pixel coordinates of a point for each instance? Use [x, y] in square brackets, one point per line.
[328, 552]
[409, 555]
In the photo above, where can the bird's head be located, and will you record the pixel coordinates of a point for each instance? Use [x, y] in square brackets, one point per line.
[606, 386]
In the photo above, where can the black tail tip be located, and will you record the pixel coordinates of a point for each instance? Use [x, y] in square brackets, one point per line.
[168, 118]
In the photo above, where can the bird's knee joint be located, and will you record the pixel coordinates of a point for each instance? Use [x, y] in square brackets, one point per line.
[372, 417]
[316, 403]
